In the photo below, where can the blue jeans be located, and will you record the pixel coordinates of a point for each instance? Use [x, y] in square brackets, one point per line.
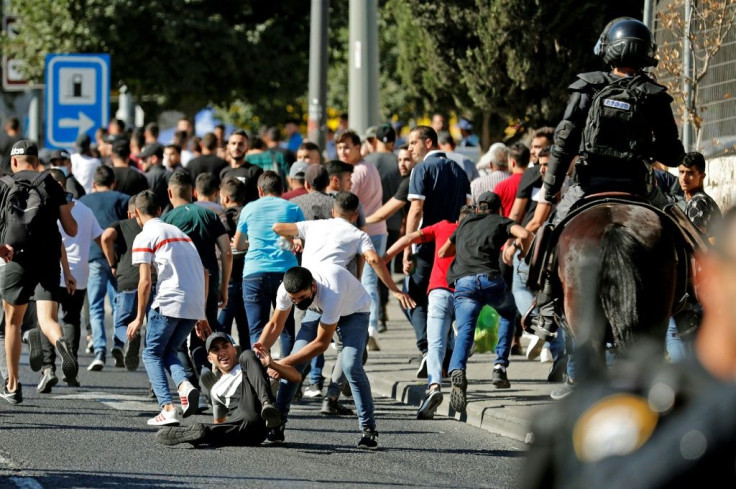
[440, 313]
[471, 294]
[524, 297]
[259, 294]
[416, 286]
[126, 309]
[370, 281]
[353, 330]
[677, 348]
[164, 336]
[101, 281]
[235, 309]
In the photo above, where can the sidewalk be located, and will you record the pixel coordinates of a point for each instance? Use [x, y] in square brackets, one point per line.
[507, 412]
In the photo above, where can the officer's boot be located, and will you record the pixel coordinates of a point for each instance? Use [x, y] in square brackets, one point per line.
[540, 318]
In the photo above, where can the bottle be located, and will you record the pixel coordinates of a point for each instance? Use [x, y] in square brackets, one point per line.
[284, 244]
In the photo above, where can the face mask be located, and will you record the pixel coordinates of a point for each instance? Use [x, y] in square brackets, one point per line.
[305, 303]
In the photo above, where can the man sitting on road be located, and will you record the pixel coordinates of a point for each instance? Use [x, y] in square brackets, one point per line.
[242, 401]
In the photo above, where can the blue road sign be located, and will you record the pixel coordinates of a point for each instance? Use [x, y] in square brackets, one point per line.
[77, 96]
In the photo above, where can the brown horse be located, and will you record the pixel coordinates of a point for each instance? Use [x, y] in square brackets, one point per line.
[617, 265]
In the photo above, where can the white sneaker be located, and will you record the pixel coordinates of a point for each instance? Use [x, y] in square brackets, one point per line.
[189, 397]
[546, 356]
[535, 347]
[166, 418]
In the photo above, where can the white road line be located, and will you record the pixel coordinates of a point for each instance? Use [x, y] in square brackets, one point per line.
[26, 483]
[116, 401]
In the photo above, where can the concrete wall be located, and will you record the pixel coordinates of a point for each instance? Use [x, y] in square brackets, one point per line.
[720, 181]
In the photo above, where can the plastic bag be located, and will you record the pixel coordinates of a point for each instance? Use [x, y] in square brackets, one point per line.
[486, 330]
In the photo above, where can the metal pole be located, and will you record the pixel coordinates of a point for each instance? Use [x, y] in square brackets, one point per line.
[687, 70]
[126, 107]
[34, 116]
[318, 57]
[648, 18]
[363, 79]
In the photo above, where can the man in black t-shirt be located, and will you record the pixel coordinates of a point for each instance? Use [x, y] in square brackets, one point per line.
[248, 173]
[11, 136]
[128, 180]
[232, 193]
[35, 270]
[208, 162]
[117, 245]
[476, 244]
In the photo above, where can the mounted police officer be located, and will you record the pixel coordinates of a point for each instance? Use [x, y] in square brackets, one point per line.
[618, 124]
[648, 423]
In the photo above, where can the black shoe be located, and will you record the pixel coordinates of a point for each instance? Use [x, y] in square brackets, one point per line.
[132, 353]
[117, 355]
[173, 435]
[48, 380]
[68, 363]
[276, 434]
[98, 363]
[333, 407]
[15, 397]
[271, 415]
[368, 439]
[431, 402]
[422, 370]
[499, 379]
[558, 371]
[35, 349]
[345, 389]
[459, 382]
[73, 382]
[382, 327]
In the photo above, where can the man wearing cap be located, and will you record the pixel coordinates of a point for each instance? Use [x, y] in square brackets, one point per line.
[466, 131]
[242, 401]
[296, 180]
[387, 165]
[368, 141]
[475, 273]
[34, 269]
[60, 160]
[130, 180]
[83, 163]
[152, 163]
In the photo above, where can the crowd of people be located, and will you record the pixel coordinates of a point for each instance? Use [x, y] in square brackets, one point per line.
[188, 237]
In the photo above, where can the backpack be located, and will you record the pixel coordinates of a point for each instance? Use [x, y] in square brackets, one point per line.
[22, 215]
[616, 127]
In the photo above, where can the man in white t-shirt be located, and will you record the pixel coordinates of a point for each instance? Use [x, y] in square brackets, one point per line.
[177, 307]
[72, 287]
[338, 241]
[344, 306]
[83, 163]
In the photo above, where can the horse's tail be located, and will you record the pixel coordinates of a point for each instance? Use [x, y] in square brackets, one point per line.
[620, 281]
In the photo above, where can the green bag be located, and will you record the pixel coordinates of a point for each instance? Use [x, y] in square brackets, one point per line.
[486, 330]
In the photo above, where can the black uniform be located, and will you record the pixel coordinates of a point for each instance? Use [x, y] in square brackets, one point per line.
[598, 176]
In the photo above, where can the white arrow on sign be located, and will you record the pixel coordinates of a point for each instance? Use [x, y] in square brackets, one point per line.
[83, 124]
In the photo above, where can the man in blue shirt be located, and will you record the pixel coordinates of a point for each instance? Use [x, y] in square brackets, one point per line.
[438, 189]
[266, 262]
[108, 206]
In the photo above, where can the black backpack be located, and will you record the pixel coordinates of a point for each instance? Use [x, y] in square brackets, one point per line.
[616, 128]
[22, 215]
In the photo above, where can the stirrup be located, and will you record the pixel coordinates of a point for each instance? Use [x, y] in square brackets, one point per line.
[541, 320]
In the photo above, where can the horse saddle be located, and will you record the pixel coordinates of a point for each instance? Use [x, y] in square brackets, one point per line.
[543, 254]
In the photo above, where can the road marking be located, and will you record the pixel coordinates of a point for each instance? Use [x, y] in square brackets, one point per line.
[116, 401]
[26, 483]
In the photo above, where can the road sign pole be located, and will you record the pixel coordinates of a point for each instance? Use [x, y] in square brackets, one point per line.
[318, 55]
[363, 74]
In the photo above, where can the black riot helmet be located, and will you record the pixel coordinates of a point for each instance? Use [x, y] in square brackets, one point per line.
[627, 42]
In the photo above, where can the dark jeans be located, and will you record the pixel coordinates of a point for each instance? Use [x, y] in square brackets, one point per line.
[259, 294]
[235, 309]
[70, 314]
[245, 425]
[416, 286]
[393, 236]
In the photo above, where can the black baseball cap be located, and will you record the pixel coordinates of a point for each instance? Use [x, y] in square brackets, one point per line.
[491, 199]
[24, 147]
[386, 134]
[59, 154]
[217, 336]
[151, 150]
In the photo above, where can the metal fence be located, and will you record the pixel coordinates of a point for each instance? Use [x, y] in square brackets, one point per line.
[716, 93]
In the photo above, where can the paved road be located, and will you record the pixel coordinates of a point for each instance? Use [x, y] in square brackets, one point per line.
[96, 436]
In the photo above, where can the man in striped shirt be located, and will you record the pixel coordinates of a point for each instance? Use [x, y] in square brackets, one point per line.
[177, 308]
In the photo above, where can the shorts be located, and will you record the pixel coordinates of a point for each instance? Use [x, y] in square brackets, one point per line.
[23, 281]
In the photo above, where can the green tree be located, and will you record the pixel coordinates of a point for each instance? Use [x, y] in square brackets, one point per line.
[175, 54]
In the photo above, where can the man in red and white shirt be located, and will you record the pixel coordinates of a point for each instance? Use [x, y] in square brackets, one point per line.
[178, 305]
